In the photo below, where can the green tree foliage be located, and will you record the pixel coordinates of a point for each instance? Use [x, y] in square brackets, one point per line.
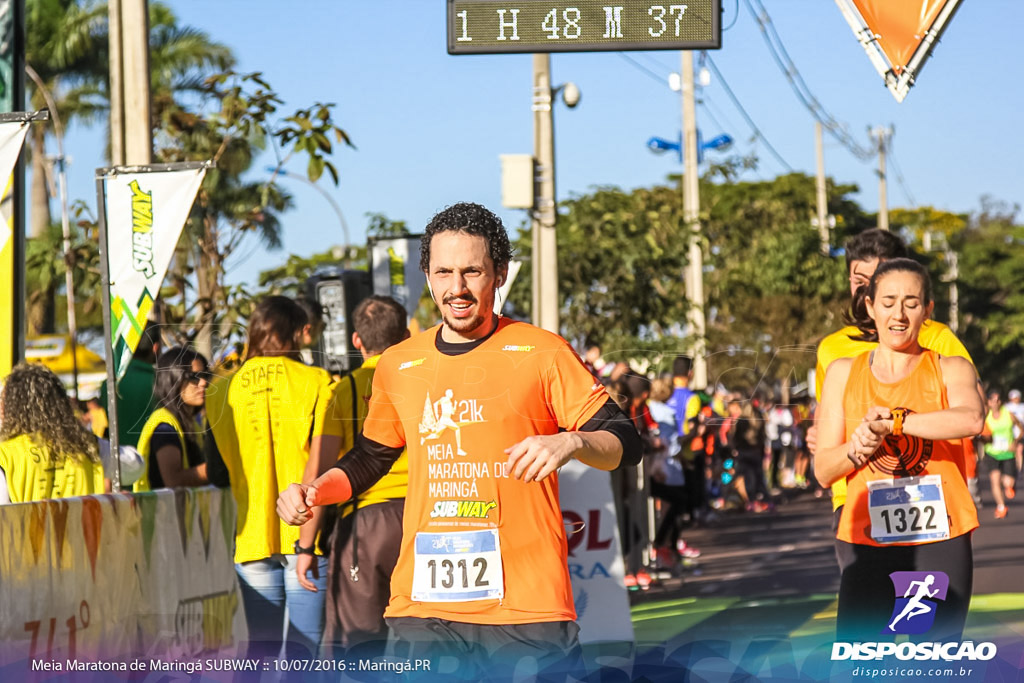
[67, 48]
[620, 262]
[991, 265]
[235, 121]
[379, 225]
[770, 293]
[45, 277]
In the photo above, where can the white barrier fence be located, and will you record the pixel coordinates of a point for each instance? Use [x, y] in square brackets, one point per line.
[114, 577]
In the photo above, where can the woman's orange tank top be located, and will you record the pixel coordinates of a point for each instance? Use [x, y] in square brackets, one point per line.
[922, 391]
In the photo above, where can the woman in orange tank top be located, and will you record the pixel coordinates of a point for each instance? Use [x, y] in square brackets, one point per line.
[889, 424]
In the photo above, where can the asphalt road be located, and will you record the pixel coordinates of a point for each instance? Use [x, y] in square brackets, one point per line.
[760, 601]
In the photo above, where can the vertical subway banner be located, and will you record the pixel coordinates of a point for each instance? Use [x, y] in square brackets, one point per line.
[145, 213]
[12, 138]
[395, 263]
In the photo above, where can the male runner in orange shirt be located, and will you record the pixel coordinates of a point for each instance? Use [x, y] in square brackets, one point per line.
[482, 574]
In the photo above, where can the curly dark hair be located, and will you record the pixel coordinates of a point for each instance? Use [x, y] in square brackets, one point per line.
[874, 244]
[472, 219]
[35, 403]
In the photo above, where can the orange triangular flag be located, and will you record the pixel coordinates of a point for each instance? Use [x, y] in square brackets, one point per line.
[898, 35]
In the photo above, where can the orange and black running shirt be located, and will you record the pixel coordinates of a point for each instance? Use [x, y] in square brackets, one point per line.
[900, 457]
[479, 546]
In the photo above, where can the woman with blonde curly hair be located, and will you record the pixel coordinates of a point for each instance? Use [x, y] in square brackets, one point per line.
[44, 450]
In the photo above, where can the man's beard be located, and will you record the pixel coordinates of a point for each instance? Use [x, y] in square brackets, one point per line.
[464, 325]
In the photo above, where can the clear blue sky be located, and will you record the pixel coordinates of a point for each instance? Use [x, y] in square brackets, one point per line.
[429, 127]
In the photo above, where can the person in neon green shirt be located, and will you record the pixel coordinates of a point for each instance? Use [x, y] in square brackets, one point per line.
[999, 461]
[45, 452]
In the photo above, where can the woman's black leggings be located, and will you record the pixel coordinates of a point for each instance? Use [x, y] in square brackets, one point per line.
[867, 595]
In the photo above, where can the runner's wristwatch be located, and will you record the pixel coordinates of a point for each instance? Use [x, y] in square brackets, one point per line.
[299, 550]
[898, 416]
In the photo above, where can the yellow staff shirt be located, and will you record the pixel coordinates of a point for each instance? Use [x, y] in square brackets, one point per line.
[263, 418]
[32, 475]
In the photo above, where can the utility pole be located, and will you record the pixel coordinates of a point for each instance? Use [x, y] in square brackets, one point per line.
[821, 194]
[954, 291]
[116, 84]
[545, 216]
[130, 125]
[691, 215]
[882, 135]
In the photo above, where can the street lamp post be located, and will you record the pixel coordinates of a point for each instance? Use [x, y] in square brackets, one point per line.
[545, 207]
[274, 170]
[69, 255]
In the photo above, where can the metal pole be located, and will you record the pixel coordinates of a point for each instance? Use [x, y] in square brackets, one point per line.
[954, 292]
[334, 205]
[821, 193]
[101, 211]
[116, 83]
[882, 136]
[69, 255]
[138, 132]
[691, 218]
[545, 214]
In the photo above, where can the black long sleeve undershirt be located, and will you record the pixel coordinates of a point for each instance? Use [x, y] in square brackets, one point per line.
[610, 418]
[368, 460]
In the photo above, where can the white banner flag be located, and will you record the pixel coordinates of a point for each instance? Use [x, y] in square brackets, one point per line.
[12, 138]
[396, 270]
[145, 213]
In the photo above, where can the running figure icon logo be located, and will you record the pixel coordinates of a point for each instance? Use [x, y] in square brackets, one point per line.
[447, 413]
[917, 594]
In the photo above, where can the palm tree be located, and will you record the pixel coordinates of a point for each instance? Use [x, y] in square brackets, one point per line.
[67, 46]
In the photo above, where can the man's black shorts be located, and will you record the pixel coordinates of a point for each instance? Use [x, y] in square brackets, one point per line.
[1007, 467]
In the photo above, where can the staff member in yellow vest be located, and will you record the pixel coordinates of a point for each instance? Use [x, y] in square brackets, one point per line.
[171, 439]
[268, 425]
[44, 450]
[368, 536]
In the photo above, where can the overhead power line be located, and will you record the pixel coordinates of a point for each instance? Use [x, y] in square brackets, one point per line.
[660, 79]
[743, 112]
[899, 177]
[732, 96]
[796, 81]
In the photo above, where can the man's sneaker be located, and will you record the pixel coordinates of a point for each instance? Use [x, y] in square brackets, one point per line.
[630, 581]
[1010, 492]
[643, 580]
[665, 558]
[687, 551]
[1000, 511]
